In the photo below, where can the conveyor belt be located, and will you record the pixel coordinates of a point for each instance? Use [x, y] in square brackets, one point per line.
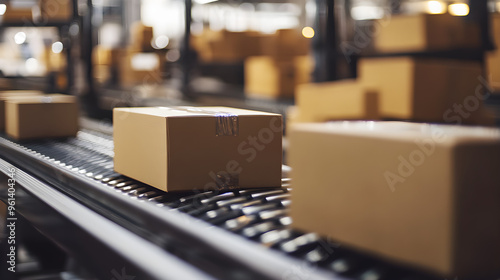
[82, 168]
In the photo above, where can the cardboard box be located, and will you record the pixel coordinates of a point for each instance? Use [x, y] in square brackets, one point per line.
[56, 10]
[48, 116]
[187, 148]
[342, 100]
[141, 37]
[268, 77]
[424, 32]
[139, 68]
[265, 76]
[424, 195]
[432, 90]
[16, 14]
[12, 93]
[285, 43]
[493, 57]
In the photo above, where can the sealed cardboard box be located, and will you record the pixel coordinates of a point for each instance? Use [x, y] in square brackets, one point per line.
[13, 93]
[433, 90]
[424, 32]
[342, 100]
[187, 148]
[424, 195]
[47, 116]
[56, 10]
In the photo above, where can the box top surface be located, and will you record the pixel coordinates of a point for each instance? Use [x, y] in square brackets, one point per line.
[404, 131]
[48, 98]
[18, 93]
[184, 111]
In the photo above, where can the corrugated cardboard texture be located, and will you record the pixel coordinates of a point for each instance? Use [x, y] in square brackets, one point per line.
[32, 117]
[441, 213]
[173, 149]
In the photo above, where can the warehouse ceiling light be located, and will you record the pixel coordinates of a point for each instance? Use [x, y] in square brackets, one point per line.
[436, 7]
[458, 9]
[3, 9]
[308, 32]
[20, 38]
[161, 42]
[57, 47]
[31, 65]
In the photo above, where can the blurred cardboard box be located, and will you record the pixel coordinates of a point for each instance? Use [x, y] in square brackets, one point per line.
[429, 90]
[139, 68]
[411, 193]
[13, 93]
[47, 116]
[285, 43]
[493, 57]
[56, 10]
[16, 13]
[268, 77]
[424, 32]
[187, 148]
[342, 100]
[141, 37]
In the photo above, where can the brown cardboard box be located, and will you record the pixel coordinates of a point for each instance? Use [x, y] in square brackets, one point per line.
[186, 148]
[139, 68]
[12, 93]
[424, 32]
[141, 37]
[15, 14]
[51, 115]
[420, 194]
[342, 100]
[493, 57]
[265, 76]
[409, 88]
[56, 10]
[268, 77]
[285, 43]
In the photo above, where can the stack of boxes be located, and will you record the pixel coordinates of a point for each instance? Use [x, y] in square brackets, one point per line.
[274, 63]
[139, 63]
[424, 195]
[409, 87]
[282, 66]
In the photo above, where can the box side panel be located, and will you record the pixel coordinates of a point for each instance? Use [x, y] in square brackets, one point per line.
[477, 207]
[198, 155]
[46, 120]
[2, 115]
[140, 147]
[12, 119]
[379, 195]
[393, 79]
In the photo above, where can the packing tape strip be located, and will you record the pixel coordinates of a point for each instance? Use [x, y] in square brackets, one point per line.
[226, 124]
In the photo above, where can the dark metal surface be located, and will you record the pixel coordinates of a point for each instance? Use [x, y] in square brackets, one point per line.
[82, 169]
